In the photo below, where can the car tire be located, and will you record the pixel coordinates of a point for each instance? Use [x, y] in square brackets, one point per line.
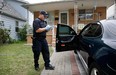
[75, 51]
[94, 69]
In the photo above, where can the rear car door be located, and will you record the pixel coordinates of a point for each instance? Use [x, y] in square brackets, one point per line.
[90, 37]
[66, 38]
[90, 40]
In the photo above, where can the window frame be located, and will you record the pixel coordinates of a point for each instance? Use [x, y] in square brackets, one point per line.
[94, 31]
[16, 26]
[84, 14]
[2, 23]
[67, 12]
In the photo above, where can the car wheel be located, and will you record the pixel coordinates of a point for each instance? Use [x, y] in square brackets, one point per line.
[94, 69]
[75, 51]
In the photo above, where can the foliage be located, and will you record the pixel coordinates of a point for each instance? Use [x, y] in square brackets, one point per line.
[4, 36]
[23, 33]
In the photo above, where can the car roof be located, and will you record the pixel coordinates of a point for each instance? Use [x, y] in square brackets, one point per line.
[109, 32]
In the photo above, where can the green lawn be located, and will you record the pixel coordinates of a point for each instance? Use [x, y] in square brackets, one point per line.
[17, 59]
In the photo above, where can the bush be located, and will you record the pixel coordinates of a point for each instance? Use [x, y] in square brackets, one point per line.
[4, 36]
[22, 33]
[12, 40]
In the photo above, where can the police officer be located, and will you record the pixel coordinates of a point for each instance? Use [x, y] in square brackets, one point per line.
[39, 41]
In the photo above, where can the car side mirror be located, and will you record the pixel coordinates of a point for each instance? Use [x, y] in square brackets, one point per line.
[73, 32]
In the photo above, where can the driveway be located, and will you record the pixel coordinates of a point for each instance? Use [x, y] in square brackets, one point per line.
[66, 63]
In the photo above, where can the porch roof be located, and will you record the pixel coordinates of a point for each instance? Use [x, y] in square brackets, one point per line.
[65, 5]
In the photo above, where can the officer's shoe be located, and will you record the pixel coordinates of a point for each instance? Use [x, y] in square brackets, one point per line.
[36, 68]
[50, 67]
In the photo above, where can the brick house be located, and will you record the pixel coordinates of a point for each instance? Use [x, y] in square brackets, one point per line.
[64, 12]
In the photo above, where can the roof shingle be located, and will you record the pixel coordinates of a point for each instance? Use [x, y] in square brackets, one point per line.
[10, 11]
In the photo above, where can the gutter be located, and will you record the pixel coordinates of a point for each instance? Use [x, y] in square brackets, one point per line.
[27, 5]
[3, 13]
[22, 1]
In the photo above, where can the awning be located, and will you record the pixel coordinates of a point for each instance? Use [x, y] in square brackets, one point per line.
[65, 5]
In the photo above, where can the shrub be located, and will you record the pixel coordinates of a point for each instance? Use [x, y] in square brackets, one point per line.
[22, 33]
[4, 36]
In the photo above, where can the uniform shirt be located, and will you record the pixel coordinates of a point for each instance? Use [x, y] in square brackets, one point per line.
[38, 23]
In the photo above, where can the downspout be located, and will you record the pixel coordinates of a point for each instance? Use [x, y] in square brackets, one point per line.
[27, 15]
[27, 21]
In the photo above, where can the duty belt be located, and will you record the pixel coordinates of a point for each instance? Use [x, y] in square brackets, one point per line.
[40, 37]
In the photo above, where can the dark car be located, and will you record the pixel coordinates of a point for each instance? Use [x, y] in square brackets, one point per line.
[97, 40]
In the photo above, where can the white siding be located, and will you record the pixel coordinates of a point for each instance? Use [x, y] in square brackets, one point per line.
[18, 7]
[115, 10]
[24, 12]
[10, 23]
[111, 12]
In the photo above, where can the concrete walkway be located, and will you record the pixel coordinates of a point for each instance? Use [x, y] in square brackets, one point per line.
[65, 64]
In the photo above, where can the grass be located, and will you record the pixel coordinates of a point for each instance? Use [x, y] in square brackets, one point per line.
[17, 59]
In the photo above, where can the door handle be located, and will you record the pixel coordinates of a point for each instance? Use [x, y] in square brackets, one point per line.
[92, 45]
[57, 40]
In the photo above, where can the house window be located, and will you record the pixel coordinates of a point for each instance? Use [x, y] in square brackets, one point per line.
[82, 14]
[89, 14]
[86, 14]
[64, 17]
[17, 26]
[2, 23]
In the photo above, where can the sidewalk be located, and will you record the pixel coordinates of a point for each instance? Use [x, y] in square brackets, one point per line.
[65, 64]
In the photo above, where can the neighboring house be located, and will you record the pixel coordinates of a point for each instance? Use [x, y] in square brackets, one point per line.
[64, 12]
[11, 18]
[17, 5]
[111, 12]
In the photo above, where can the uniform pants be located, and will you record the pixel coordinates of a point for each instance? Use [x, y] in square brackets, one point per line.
[41, 45]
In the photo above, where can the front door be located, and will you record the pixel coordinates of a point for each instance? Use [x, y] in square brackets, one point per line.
[64, 17]
[66, 38]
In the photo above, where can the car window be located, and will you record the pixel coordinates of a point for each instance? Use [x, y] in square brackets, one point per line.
[64, 30]
[93, 30]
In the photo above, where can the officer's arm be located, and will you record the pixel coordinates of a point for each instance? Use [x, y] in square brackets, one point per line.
[40, 30]
[37, 26]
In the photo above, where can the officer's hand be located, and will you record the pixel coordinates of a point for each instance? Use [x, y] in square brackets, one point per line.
[48, 27]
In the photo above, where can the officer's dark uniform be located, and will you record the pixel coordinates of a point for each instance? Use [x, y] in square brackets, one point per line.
[40, 43]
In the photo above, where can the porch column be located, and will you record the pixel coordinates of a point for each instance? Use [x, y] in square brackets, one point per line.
[76, 15]
[56, 20]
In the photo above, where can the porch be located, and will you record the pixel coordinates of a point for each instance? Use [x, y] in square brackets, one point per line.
[64, 12]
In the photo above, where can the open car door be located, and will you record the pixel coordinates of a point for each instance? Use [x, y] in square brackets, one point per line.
[66, 38]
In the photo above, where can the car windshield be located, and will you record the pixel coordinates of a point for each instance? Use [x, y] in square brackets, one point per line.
[109, 34]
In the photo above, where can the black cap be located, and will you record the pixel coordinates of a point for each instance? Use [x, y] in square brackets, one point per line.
[44, 13]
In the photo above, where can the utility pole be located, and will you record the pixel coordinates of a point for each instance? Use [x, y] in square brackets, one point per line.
[76, 15]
